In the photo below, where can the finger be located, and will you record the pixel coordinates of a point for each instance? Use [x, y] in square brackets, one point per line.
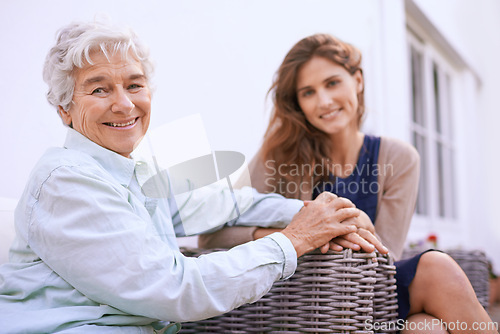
[345, 213]
[306, 203]
[325, 248]
[370, 237]
[325, 197]
[345, 243]
[353, 221]
[360, 241]
[336, 247]
[342, 202]
[342, 229]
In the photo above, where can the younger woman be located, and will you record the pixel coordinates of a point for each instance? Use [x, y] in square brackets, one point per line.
[314, 144]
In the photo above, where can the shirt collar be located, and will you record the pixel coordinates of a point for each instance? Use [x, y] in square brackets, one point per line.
[117, 165]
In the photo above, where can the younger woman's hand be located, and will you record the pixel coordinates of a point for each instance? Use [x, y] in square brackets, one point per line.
[365, 239]
[363, 221]
[361, 240]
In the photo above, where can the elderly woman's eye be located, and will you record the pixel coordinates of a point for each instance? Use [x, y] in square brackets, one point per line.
[98, 91]
[134, 86]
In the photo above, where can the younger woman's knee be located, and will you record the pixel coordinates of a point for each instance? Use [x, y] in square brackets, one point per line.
[439, 266]
[423, 323]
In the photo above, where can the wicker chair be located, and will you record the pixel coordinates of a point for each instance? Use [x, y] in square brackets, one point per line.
[475, 265]
[337, 292]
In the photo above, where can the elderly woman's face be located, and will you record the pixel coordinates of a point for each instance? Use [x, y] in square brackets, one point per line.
[111, 103]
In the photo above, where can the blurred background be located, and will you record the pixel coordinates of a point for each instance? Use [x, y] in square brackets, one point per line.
[431, 73]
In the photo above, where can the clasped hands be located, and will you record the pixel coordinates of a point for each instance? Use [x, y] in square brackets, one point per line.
[332, 222]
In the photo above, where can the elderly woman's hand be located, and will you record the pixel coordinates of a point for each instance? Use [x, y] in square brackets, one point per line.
[319, 221]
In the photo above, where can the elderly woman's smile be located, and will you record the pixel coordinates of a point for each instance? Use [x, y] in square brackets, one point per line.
[123, 125]
[111, 102]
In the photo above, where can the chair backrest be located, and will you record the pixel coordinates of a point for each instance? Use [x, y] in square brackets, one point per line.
[7, 230]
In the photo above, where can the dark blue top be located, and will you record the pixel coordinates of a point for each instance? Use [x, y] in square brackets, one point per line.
[361, 187]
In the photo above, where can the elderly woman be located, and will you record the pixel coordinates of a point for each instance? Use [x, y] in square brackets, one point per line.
[93, 253]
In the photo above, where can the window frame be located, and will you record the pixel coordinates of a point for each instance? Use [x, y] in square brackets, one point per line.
[432, 220]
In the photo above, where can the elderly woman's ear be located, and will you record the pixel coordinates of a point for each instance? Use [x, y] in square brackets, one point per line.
[65, 116]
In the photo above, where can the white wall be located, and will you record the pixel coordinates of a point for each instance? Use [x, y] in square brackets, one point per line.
[214, 57]
[472, 27]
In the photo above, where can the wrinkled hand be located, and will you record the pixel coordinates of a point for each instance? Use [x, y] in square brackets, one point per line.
[320, 221]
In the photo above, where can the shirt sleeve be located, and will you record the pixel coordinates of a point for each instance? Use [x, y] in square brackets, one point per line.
[212, 207]
[268, 210]
[262, 180]
[86, 230]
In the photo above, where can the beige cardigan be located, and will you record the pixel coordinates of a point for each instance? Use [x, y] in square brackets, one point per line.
[399, 169]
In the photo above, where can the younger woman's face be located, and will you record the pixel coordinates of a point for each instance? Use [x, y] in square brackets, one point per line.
[327, 94]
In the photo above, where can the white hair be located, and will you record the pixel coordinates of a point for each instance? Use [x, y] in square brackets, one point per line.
[74, 44]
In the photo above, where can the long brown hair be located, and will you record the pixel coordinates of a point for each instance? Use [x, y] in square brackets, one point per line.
[290, 141]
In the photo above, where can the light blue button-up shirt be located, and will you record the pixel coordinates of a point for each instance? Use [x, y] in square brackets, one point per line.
[92, 252]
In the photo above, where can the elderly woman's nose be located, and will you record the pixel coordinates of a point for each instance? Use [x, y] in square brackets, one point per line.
[121, 101]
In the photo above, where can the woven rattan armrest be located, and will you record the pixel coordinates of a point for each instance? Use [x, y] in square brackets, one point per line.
[336, 292]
